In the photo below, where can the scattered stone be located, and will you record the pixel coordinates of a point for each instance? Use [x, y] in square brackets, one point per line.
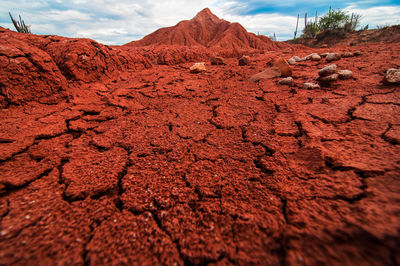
[217, 60]
[357, 53]
[311, 86]
[295, 57]
[328, 79]
[328, 70]
[345, 74]
[324, 54]
[270, 73]
[198, 67]
[292, 61]
[332, 57]
[286, 81]
[392, 76]
[244, 61]
[284, 68]
[302, 59]
[315, 57]
[347, 54]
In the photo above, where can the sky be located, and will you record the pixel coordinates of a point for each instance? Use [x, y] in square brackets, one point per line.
[116, 22]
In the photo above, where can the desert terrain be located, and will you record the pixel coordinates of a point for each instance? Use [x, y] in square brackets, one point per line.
[120, 155]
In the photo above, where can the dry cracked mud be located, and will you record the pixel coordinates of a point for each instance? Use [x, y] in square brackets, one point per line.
[161, 166]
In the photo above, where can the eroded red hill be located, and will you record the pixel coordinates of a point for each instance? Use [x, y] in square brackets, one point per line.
[207, 30]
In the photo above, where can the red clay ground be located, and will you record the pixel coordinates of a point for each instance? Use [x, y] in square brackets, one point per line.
[161, 166]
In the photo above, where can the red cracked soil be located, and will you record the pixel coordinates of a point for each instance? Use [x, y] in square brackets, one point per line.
[161, 166]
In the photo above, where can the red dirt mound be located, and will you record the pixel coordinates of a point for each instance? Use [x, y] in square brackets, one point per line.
[207, 30]
[171, 55]
[26, 72]
[36, 68]
[331, 38]
[88, 61]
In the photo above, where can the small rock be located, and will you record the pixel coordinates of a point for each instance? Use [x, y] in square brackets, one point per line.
[292, 61]
[197, 68]
[324, 45]
[310, 56]
[315, 57]
[244, 61]
[332, 57]
[324, 54]
[345, 74]
[286, 81]
[357, 53]
[328, 70]
[270, 73]
[347, 54]
[392, 76]
[284, 68]
[328, 79]
[302, 59]
[216, 60]
[311, 86]
[295, 57]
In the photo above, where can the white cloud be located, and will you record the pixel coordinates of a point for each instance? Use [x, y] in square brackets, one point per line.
[121, 21]
[67, 15]
[267, 24]
[379, 15]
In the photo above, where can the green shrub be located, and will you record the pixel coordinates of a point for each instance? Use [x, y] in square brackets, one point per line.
[335, 20]
[310, 30]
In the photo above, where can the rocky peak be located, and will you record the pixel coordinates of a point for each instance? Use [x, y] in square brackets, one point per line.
[206, 15]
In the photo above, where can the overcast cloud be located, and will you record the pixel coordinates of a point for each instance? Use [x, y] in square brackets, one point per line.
[121, 21]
